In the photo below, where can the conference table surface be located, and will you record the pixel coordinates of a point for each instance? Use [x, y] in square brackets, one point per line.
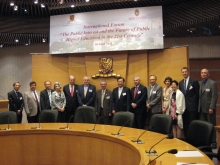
[51, 145]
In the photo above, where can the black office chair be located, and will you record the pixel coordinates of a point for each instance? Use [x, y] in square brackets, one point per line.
[160, 123]
[120, 119]
[199, 135]
[11, 115]
[48, 116]
[85, 114]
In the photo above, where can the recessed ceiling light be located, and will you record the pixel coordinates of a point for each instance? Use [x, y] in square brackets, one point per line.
[15, 8]
[35, 1]
[42, 5]
[16, 40]
[12, 3]
[72, 6]
[87, 0]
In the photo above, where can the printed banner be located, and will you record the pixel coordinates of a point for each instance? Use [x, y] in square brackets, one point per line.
[110, 30]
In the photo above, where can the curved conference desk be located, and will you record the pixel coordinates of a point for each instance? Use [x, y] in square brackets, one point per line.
[76, 146]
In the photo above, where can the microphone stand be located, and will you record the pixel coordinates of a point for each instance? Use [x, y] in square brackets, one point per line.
[138, 141]
[95, 130]
[38, 127]
[119, 134]
[67, 126]
[8, 124]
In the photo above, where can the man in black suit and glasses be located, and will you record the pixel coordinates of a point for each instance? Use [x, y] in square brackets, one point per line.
[45, 96]
[16, 102]
[138, 103]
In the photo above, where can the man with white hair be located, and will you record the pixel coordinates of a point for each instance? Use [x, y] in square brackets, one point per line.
[86, 93]
[138, 103]
[208, 95]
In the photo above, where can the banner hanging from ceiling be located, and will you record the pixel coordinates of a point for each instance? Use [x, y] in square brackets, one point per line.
[110, 30]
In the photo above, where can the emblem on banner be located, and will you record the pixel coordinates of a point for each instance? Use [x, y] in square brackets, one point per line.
[136, 12]
[105, 68]
[71, 18]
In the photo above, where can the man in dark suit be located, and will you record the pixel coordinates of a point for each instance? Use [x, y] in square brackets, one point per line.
[208, 94]
[70, 90]
[190, 88]
[154, 101]
[121, 97]
[138, 103]
[103, 103]
[86, 93]
[45, 96]
[32, 103]
[16, 102]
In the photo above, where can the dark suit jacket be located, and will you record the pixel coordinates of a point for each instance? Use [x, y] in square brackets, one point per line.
[191, 94]
[124, 102]
[140, 99]
[71, 102]
[89, 100]
[15, 103]
[107, 102]
[208, 97]
[154, 100]
[44, 99]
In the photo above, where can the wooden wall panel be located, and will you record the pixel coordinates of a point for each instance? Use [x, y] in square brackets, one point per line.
[47, 67]
[77, 67]
[128, 64]
[168, 62]
[137, 66]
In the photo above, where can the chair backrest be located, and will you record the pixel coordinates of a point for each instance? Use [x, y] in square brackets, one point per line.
[200, 133]
[8, 114]
[48, 116]
[120, 118]
[161, 123]
[85, 114]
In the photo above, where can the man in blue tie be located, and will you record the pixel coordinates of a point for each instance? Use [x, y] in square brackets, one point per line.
[190, 88]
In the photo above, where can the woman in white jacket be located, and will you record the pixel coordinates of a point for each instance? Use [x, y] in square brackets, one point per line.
[177, 107]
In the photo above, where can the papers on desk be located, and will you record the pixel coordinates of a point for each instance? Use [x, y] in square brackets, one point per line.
[188, 154]
[187, 163]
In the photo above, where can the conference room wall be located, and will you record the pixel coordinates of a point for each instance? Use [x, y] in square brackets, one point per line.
[16, 65]
[128, 64]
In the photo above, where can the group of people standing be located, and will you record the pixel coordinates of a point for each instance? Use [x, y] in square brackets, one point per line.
[184, 101]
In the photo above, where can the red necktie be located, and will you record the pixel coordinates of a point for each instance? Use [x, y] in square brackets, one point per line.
[72, 91]
[135, 92]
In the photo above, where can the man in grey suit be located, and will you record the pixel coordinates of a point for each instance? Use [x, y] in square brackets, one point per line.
[208, 95]
[32, 103]
[103, 103]
[154, 100]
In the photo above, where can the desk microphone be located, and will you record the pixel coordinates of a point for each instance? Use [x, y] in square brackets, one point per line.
[38, 127]
[119, 134]
[67, 126]
[2, 97]
[169, 136]
[138, 141]
[94, 130]
[172, 151]
[8, 123]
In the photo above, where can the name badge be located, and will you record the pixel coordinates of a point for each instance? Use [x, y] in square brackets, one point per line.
[108, 97]
[124, 94]
[139, 92]
[90, 90]
[21, 98]
[154, 92]
[207, 90]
